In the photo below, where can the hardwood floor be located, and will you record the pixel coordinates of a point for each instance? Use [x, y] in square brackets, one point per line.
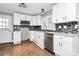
[26, 48]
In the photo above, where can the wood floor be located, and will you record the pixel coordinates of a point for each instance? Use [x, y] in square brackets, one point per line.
[26, 48]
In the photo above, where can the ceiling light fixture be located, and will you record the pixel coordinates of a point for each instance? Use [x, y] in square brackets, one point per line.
[22, 5]
[42, 10]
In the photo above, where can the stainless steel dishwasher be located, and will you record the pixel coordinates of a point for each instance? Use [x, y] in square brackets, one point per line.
[48, 42]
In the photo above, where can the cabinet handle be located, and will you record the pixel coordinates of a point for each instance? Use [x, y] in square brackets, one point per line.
[61, 44]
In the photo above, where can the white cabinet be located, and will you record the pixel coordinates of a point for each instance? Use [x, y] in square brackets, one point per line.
[37, 37]
[17, 37]
[31, 35]
[57, 43]
[47, 23]
[40, 38]
[65, 46]
[39, 20]
[59, 13]
[35, 20]
[55, 13]
[50, 24]
[28, 18]
[44, 24]
[16, 19]
[23, 17]
[71, 12]
[65, 12]
[20, 17]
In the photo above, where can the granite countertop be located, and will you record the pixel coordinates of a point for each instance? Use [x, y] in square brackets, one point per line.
[65, 34]
[57, 33]
[44, 30]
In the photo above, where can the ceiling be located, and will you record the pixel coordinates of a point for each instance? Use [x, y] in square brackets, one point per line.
[32, 8]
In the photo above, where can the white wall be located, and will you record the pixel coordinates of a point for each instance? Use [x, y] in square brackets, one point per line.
[6, 34]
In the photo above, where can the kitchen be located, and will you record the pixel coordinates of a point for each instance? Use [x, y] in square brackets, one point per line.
[52, 27]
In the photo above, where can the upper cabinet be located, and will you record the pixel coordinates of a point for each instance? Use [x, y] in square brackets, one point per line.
[35, 20]
[65, 12]
[16, 20]
[39, 20]
[47, 23]
[20, 17]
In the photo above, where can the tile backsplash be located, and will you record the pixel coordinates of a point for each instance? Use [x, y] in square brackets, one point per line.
[68, 27]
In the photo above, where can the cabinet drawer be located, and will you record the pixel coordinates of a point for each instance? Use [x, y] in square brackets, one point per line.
[67, 43]
[65, 38]
[67, 51]
[68, 39]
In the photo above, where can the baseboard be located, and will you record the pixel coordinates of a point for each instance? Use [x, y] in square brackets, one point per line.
[24, 40]
[6, 43]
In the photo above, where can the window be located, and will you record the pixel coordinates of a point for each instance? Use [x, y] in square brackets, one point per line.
[4, 23]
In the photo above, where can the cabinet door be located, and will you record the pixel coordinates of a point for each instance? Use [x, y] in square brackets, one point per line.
[62, 13]
[70, 10]
[39, 21]
[16, 19]
[28, 18]
[50, 25]
[55, 14]
[41, 36]
[35, 36]
[31, 20]
[17, 37]
[57, 45]
[66, 46]
[44, 25]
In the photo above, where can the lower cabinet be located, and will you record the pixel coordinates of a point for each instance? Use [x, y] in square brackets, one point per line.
[17, 37]
[38, 38]
[31, 35]
[65, 46]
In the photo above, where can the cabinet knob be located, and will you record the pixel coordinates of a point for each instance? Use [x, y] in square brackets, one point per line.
[61, 44]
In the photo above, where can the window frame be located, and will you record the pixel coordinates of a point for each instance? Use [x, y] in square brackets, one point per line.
[5, 23]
